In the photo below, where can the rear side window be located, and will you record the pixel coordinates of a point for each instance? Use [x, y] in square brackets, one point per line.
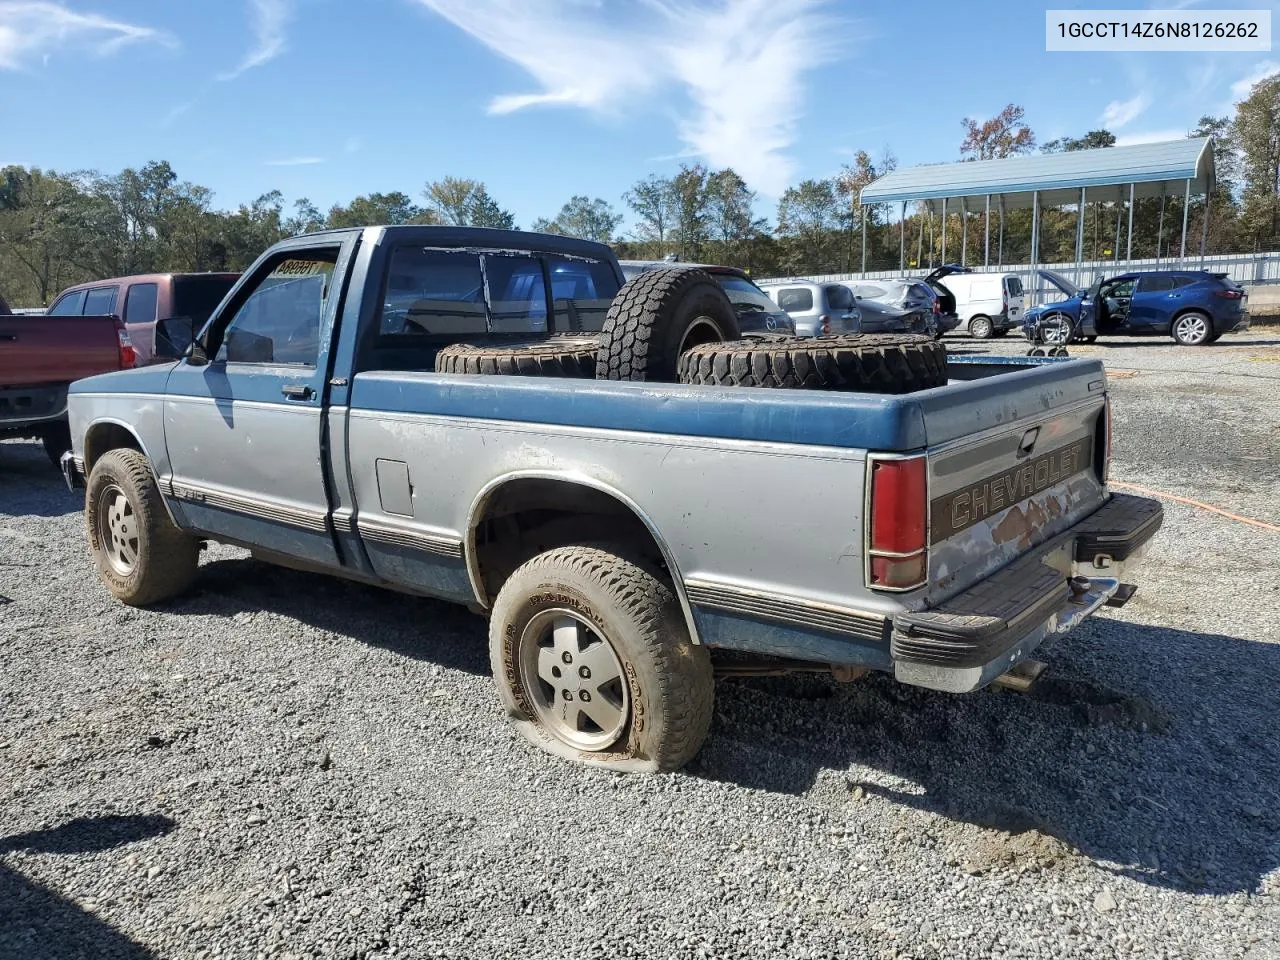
[68, 305]
[196, 297]
[434, 293]
[745, 295]
[1183, 282]
[839, 297]
[1155, 284]
[581, 291]
[140, 303]
[922, 291]
[517, 294]
[871, 292]
[1013, 286]
[795, 299]
[100, 301]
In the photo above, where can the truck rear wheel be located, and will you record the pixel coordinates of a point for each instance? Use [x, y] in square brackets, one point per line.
[594, 663]
[867, 363]
[571, 356]
[656, 317]
[140, 555]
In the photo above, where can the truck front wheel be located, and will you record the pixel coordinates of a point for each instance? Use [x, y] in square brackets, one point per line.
[594, 663]
[140, 555]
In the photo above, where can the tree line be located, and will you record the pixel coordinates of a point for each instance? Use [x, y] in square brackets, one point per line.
[57, 229]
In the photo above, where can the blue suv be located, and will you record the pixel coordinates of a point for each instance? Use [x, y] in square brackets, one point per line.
[1192, 306]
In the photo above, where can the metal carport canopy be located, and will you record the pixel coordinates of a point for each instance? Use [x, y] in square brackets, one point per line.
[1152, 168]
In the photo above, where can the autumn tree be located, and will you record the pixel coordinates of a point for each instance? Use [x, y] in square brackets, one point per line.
[1004, 135]
[465, 203]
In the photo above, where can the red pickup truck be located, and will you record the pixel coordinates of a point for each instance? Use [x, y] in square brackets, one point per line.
[39, 358]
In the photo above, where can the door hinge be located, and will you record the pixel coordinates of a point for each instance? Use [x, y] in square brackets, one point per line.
[338, 382]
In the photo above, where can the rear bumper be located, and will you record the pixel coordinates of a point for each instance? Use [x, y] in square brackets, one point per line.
[969, 640]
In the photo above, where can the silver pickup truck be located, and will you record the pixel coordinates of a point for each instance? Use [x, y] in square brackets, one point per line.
[613, 532]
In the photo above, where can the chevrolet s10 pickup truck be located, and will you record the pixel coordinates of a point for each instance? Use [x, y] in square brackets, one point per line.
[602, 521]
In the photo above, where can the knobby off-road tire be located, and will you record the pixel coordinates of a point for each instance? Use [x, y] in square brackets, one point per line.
[572, 356]
[583, 619]
[140, 555]
[656, 317]
[867, 363]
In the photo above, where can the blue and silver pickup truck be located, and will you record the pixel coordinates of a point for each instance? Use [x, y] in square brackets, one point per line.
[945, 519]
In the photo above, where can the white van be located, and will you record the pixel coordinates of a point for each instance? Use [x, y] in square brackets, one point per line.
[988, 304]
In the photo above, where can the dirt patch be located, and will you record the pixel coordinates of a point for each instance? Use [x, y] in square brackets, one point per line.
[1017, 843]
[1121, 374]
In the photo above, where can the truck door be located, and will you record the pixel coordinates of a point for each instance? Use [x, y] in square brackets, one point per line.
[245, 431]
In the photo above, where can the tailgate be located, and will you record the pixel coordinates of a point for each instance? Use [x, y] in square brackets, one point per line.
[1009, 486]
[38, 350]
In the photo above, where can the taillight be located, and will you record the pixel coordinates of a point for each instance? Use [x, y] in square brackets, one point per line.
[937, 308]
[897, 524]
[826, 325]
[1229, 294]
[128, 356]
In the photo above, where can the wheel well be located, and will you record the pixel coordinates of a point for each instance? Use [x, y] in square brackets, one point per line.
[107, 436]
[528, 516]
[1185, 310]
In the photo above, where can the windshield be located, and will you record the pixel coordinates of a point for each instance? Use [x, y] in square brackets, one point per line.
[195, 297]
[745, 295]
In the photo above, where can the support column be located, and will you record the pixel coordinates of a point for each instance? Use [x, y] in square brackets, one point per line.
[964, 231]
[864, 240]
[1186, 209]
[1160, 228]
[1204, 229]
[944, 229]
[1115, 248]
[986, 233]
[1000, 248]
[1129, 252]
[1080, 235]
[920, 240]
[902, 239]
[1035, 227]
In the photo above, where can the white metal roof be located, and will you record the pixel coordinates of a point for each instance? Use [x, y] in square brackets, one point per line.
[1106, 172]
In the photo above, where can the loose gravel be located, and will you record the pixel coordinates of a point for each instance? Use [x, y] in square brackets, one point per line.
[284, 765]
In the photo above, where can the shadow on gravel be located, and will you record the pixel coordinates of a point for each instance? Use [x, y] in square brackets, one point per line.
[36, 922]
[30, 485]
[1176, 780]
[417, 627]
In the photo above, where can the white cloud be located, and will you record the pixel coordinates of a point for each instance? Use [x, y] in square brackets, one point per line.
[1150, 136]
[1119, 113]
[31, 30]
[270, 17]
[739, 62]
[1240, 89]
[294, 162]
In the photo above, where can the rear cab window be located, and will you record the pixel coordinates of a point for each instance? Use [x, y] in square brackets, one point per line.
[795, 299]
[517, 293]
[745, 295]
[196, 297]
[581, 291]
[434, 293]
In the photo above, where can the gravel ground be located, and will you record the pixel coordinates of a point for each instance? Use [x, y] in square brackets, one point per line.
[285, 765]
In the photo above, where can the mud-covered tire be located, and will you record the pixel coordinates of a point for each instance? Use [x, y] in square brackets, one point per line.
[656, 317]
[866, 363]
[57, 441]
[669, 686]
[164, 557]
[567, 356]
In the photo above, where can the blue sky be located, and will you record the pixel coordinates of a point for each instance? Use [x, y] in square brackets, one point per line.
[542, 99]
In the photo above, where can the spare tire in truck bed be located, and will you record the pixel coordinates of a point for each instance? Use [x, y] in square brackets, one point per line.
[567, 356]
[656, 317]
[867, 363]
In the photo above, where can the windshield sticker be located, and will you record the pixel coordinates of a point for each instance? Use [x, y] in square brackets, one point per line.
[302, 268]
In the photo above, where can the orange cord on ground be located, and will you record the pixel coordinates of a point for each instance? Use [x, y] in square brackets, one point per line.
[1196, 503]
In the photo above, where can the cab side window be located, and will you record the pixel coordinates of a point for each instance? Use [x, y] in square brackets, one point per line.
[140, 303]
[68, 305]
[279, 321]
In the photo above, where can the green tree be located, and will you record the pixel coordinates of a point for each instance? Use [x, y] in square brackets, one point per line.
[1257, 132]
[731, 222]
[40, 232]
[653, 202]
[306, 218]
[375, 209]
[483, 211]
[808, 226]
[690, 201]
[584, 218]
[1092, 140]
[464, 203]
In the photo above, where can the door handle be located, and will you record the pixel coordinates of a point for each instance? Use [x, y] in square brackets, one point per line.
[10, 337]
[297, 391]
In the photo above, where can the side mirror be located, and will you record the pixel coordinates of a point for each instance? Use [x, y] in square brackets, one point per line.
[174, 336]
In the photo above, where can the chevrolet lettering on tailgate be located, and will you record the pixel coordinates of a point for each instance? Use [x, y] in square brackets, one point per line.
[961, 509]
